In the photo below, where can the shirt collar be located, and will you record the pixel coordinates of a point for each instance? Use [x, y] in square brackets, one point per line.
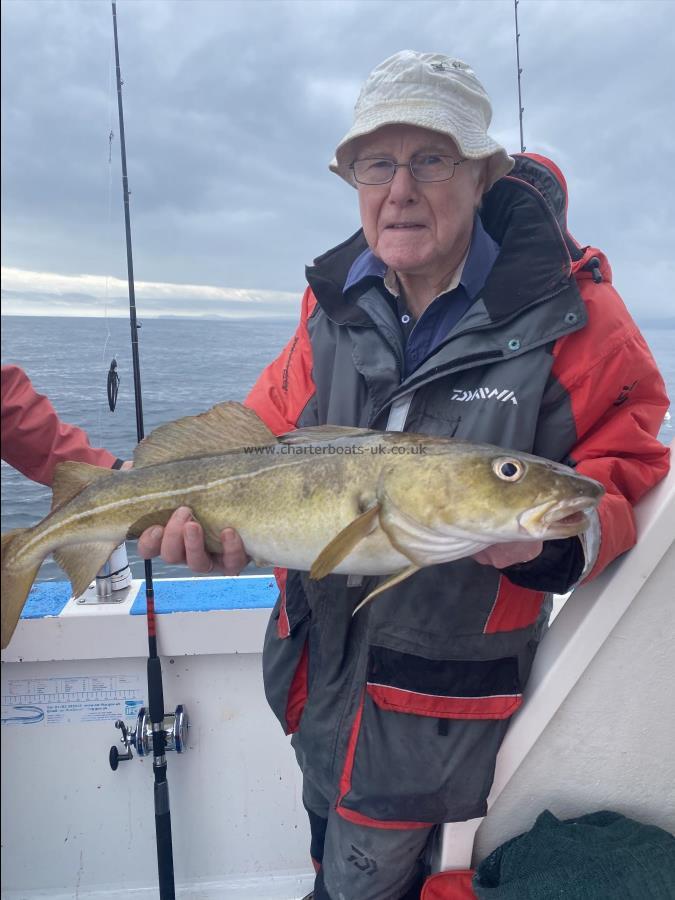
[366, 265]
[392, 284]
[471, 274]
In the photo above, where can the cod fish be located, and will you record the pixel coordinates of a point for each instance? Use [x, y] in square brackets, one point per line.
[323, 499]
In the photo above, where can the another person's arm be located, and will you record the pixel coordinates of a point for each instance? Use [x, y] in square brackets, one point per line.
[34, 439]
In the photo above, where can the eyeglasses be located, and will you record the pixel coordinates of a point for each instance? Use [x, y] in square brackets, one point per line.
[423, 167]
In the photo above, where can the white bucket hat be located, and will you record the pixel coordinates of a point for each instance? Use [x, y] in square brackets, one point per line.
[432, 91]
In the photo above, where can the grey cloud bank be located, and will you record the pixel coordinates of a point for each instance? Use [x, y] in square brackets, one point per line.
[48, 293]
[232, 111]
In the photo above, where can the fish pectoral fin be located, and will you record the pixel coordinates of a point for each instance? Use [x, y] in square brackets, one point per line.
[81, 562]
[390, 582]
[227, 426]
[72, 477]
[343, 543]
[16, 585]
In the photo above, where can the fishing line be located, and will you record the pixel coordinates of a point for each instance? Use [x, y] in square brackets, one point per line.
[111, 137]
[521, 108]
[112, 378]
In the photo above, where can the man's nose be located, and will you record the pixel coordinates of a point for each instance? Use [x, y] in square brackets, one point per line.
[403, 188]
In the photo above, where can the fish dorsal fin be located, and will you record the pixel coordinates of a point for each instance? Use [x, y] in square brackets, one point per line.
[343, 543]
[227, 426]
[81, 562]
[72, 477]
[313, 433]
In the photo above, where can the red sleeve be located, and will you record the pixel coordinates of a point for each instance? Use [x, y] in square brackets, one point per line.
[286, 386]
[619, 401]
[34, 439]
[284, 389]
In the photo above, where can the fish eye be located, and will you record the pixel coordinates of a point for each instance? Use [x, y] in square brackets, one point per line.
[508, 469]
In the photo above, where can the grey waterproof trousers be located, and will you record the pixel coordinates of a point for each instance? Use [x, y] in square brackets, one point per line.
[359, 862]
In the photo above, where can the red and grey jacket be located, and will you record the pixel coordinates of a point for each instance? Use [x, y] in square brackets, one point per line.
[34, 439]
[398, 713]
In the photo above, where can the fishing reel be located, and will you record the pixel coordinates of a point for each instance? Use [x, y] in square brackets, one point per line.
[175, 727]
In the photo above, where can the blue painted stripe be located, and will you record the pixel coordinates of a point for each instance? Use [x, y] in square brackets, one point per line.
[204, 594]
[47, 598]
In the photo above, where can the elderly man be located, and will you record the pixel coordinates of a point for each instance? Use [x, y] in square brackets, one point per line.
[462, 308]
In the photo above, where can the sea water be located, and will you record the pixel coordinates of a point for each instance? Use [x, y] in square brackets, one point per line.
[187, 365]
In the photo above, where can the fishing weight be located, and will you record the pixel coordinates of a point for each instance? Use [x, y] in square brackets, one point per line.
[175, 727]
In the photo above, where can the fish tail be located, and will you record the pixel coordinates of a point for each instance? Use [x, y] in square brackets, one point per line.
[15, 583]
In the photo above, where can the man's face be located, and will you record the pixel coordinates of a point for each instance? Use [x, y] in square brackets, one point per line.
[417, 228]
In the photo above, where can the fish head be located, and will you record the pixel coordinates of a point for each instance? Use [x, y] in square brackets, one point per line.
[550, 500]
[486, 491]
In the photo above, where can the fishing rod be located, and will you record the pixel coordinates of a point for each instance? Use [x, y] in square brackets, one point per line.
[521, 108]
[167, 889]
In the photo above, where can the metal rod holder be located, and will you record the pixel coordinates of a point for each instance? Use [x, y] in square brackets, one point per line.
[112, 581]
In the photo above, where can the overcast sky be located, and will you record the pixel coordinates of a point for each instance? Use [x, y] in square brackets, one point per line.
[233, 110]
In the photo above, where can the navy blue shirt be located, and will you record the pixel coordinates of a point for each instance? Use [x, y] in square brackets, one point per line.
[437, 320]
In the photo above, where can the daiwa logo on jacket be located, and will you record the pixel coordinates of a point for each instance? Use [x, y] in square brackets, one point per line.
[484, 393]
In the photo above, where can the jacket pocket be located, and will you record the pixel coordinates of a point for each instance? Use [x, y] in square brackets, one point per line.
[423, 743]
[443, 688]
[286, 652]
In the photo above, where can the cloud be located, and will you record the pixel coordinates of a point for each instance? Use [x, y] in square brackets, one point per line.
[332, 95]
[233, 110]
[48, 293]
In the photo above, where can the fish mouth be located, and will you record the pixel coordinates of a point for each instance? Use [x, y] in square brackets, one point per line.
[563, 518]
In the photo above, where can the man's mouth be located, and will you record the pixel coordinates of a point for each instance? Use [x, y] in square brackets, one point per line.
[402, 225]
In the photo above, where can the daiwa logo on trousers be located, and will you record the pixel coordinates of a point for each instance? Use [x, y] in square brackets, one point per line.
[484, 393]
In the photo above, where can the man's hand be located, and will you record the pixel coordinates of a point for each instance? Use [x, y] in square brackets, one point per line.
[182, 541]
[503, 555]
